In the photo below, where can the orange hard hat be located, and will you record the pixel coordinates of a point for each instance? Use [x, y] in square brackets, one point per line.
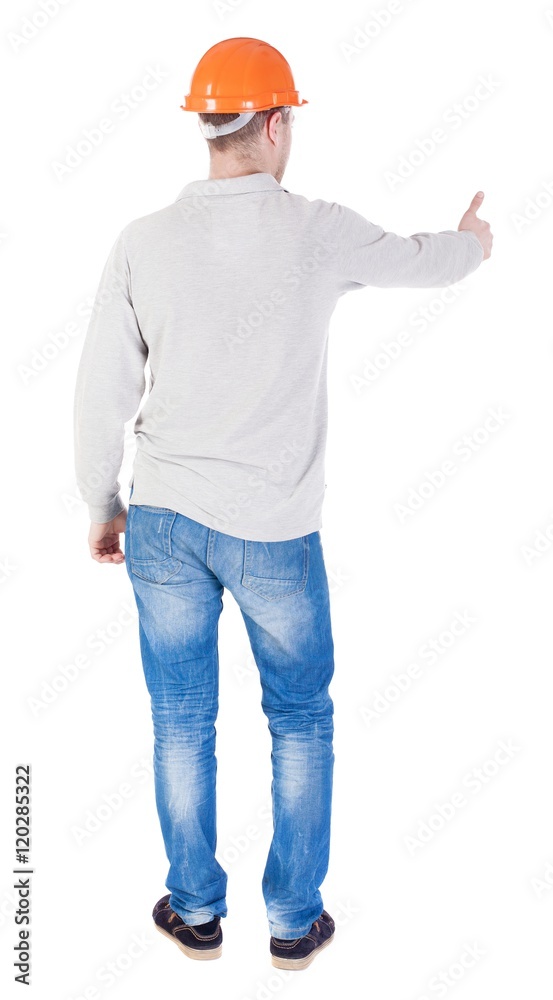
[241, 75]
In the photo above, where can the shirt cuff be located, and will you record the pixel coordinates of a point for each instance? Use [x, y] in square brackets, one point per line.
[106, 512]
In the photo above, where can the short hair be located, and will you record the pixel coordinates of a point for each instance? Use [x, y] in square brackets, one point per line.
[245, 140]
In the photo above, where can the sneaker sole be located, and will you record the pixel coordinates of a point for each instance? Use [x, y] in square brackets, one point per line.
[300, 963]
[204, 955]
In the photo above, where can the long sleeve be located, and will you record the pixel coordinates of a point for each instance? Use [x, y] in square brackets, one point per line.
[367, 255]
[109, 386]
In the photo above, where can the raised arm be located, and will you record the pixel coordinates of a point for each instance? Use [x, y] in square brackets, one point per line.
[368, 255]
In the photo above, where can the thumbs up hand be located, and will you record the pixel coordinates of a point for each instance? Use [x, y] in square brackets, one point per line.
[477, 226]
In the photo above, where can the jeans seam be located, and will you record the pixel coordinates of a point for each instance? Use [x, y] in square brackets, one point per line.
[210, 546]
[168, 527]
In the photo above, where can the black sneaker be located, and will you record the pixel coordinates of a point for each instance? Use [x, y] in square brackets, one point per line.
[202, 941]
[299, 953]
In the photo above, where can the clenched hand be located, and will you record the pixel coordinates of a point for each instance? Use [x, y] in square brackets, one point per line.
[103, 539]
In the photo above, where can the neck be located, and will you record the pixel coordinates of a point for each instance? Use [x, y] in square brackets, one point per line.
[231, 168]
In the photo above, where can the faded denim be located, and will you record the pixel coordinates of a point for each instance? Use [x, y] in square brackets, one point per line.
[178, 569]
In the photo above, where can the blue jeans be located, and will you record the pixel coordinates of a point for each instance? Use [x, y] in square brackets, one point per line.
[179, 569]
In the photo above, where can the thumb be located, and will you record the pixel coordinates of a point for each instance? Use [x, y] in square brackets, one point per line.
[476, 202]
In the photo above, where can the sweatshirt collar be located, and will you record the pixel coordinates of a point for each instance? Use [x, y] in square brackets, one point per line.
[231, 185]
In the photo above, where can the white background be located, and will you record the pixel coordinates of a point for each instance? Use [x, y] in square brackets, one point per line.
[404, 915]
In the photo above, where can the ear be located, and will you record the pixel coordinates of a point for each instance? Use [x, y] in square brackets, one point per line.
[273, 120]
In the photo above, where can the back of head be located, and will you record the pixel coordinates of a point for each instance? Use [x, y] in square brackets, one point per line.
[244, 142]
[243, 80]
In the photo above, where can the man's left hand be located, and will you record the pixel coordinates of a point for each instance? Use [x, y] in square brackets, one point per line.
[103, 539]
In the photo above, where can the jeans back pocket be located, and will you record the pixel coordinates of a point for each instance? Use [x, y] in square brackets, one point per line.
[149, 534]
[276, 569]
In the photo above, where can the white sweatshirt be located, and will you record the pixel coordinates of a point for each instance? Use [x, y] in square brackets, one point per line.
[228, 293]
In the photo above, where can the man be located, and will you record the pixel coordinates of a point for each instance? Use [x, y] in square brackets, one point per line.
[228, 293]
